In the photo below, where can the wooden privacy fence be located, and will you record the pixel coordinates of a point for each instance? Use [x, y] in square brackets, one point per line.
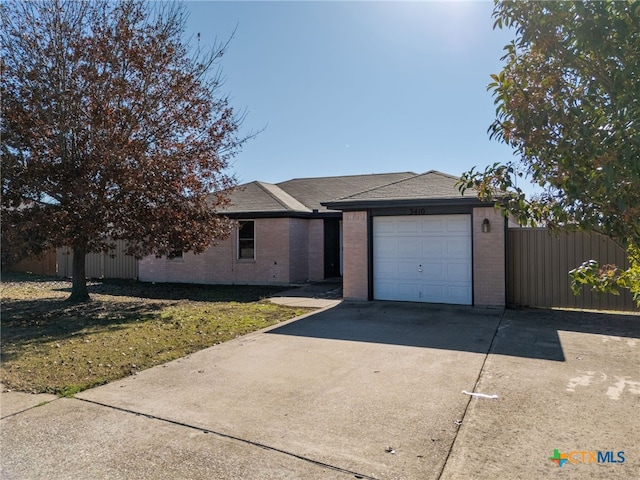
[114, 264]
[538, 264]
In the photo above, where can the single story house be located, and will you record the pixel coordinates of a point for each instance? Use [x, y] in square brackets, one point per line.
[395, 236]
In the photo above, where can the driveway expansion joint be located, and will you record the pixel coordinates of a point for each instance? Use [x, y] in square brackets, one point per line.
[475, 385]
[29, 408]
[237, 439]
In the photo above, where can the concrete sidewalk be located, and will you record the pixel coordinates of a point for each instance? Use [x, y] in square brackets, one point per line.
[327, 396]
[313, 295]
[12, 402]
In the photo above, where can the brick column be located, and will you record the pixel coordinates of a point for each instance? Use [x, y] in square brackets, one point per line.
[488, 258]
[355, 255]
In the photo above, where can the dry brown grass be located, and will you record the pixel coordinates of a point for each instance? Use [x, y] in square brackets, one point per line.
[49, 345]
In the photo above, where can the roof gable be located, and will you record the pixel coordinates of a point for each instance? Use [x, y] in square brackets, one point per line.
[262, 197]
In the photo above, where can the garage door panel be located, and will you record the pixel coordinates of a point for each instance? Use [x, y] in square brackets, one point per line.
[396, 291]
[458, 272]
[407, 226]
[408, 271]
[433, 294]
[422, 258]
[459, 225]
[385, 227]
[458, 248]
[432, 247]
[459, 294]
[432, 225]
[388, 247]
[409, 247]
[386, 291]
[432, 271]
[407, 291]
[386, 269]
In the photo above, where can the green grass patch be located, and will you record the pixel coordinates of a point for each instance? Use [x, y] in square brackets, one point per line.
[49, 345]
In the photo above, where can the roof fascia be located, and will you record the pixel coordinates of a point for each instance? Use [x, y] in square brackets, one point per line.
[419, 202]
[283, 214]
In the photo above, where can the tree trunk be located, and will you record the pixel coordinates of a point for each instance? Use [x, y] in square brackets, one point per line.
[79, 292]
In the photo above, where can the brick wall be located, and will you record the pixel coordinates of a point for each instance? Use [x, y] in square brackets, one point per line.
[298, 250]
[316, 249]
[218, 264]
[488, 258]
[355, 248]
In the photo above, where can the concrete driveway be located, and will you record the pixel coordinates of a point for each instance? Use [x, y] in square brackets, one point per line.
[363, 390]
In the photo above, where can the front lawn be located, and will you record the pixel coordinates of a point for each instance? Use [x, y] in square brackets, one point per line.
[52, 346]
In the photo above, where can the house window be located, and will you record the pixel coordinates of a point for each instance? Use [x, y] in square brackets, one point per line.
[247, 240]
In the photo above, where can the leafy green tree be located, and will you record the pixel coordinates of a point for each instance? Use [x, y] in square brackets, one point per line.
[112, 128]
[568, 102]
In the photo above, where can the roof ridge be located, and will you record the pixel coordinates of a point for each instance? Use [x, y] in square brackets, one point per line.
[448, 175]
[347, 176]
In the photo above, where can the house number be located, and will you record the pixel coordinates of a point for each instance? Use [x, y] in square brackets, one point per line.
[416, 211]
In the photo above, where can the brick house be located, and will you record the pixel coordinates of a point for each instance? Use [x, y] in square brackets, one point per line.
[396, 236]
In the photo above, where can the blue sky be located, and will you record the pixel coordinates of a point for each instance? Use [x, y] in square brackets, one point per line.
[349, 88]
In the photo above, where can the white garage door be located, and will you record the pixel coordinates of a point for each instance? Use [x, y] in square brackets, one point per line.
[422, 258]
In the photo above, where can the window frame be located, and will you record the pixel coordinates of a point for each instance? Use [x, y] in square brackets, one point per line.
[239, 257]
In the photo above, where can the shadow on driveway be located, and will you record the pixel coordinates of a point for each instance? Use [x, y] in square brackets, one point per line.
[533, 333]
[528, 333]
[401, 323]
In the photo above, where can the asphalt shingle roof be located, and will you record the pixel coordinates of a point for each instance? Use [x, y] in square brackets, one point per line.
[262, 197]
[429, 185]
[304, 195]
[314, 191]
